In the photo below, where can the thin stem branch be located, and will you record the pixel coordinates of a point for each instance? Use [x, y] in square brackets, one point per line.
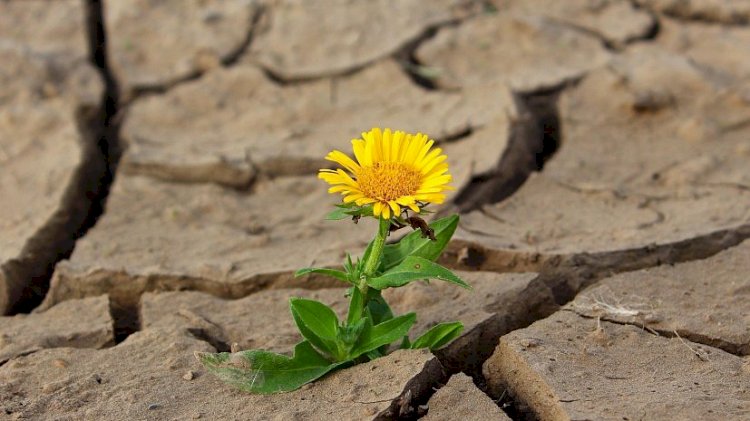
[373, 260]
[359, 298]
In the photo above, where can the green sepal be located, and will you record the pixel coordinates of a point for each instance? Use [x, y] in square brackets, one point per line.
[414, 268]
[373, 337]
[258, 371]
[349, 334]
[374, 354]
[348, 210]
[414, 244]
[438, 336]
[405, 343]
[318, 324]
[333, 273]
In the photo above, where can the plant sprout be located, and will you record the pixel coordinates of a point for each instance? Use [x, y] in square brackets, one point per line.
[392, 178]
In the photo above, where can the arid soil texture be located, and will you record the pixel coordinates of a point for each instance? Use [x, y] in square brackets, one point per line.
[158, 189]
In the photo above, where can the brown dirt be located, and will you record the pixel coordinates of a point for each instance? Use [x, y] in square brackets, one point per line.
[635, 114]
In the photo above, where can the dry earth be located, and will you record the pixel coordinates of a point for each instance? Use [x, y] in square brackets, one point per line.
[600, 151]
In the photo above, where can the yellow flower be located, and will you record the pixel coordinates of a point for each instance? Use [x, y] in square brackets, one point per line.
[393, 169]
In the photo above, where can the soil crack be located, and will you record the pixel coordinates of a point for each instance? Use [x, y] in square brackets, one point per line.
[681, 10]
[229, 60]
[83, 201]
[534, 138]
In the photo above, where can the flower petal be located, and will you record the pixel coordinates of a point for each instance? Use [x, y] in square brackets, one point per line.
[415, 145]
[423, 152]
[395, 207]
[386, 144]
[405, 200]
[434, 162]
[344, 160]
[386, 210]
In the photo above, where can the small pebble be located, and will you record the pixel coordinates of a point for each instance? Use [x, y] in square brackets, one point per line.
[189, 375]
[531, 343]
[59, 363]
[153, 406]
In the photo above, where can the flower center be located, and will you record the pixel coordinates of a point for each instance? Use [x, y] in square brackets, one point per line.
[389, 180]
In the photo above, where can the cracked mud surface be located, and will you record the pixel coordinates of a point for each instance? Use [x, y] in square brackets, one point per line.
[599, 152]
[49, 90]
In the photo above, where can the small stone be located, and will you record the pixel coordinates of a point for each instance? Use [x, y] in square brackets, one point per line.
[599, 336]
[153, 406]
[59, 363]
[531, 343]
[190, 375]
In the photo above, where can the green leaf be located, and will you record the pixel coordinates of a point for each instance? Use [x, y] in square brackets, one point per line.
[414, 244]
[356, 305]
[317, 323]
[258, 371]
[411, 269]
[438, 336]
[373, 337]
[379, 309]
[365, 257]
[333, 273]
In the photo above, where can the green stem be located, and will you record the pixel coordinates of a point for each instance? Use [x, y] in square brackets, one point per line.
[359, 298]
[373, 261]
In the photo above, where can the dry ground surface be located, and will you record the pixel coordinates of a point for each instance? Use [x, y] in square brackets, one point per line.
[158, 189]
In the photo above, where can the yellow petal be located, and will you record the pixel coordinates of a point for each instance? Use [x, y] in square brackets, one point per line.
[386, 145]
[352, 197]
[415, 144]
[414, 207]
[428, 158]
[431, 197]
[423, 152]
[386, 210]
[405, 200]
[332, 178]
[404, 146]
[377, 209]
[344, 160]
[377, 144]
[396, 145]
[436, 181]
[438, 170]
[369, 149]
[358, 146]
[348, 180]
[364, 201]
[395, 207]
[339, 189]
[430, 190]
[433, 163]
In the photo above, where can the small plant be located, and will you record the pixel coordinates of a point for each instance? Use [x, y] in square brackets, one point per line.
[395, 176]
